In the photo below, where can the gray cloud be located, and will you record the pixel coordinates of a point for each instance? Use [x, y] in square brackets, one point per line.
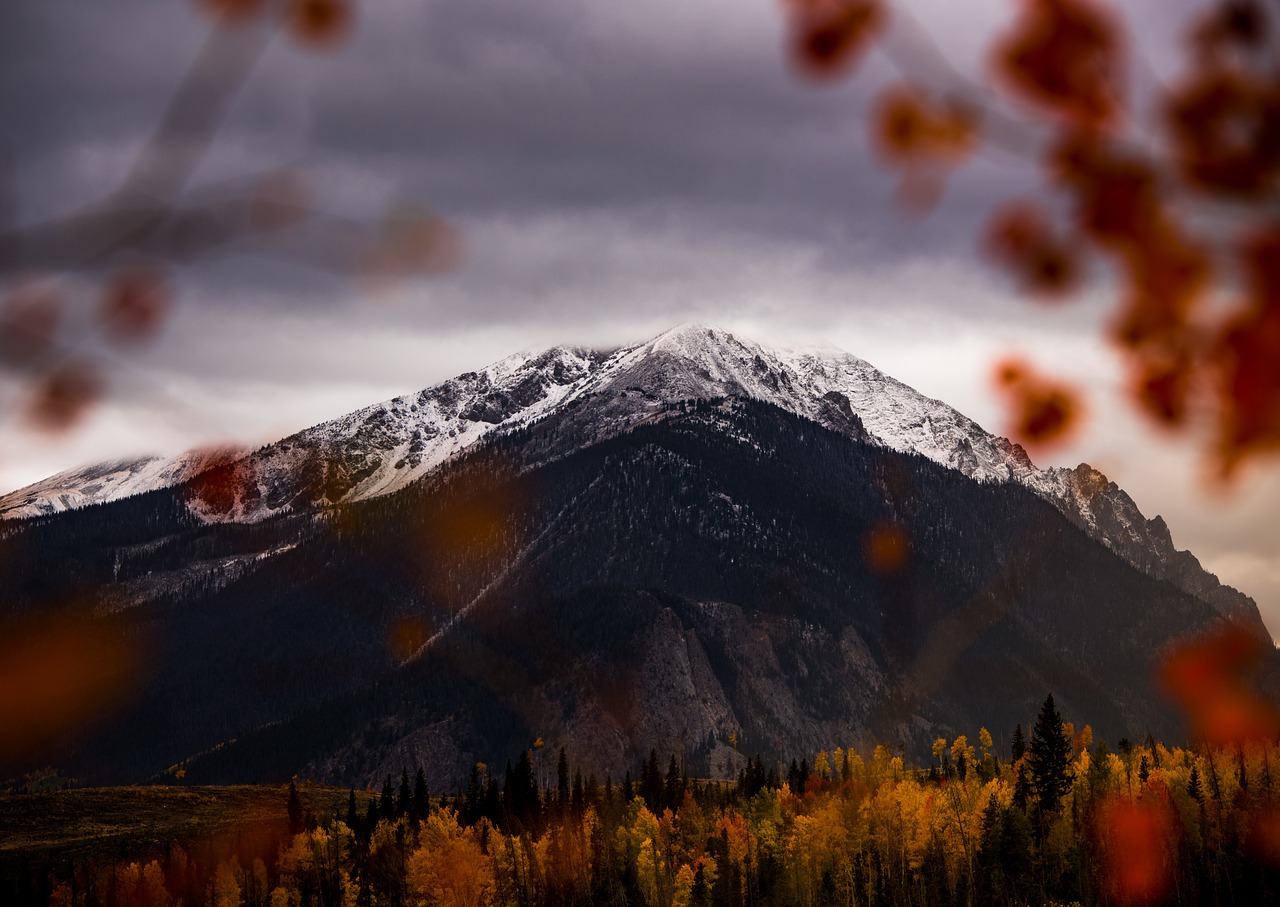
[615, 168]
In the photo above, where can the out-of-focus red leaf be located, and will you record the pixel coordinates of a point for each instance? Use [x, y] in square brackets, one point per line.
[1225, 127]
[29, 320]
[1064, 56]
[406, 636]
[1021, 239]
[1162, 389]
[828, 37]
[1208, 677]
[908, 128]
[1116, 194]
[1137, 837]
[233, 11]
[56, 675]
[135, 304]
[1166, 274]
[228, 478]
[1247, 359]
[1042, 412]
[280, 200]
[1239, 23]
[1264, 836]
[64, 396]
[321, 24]
[886, 548]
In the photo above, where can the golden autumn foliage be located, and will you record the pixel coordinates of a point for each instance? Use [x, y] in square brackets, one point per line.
[1146, 824]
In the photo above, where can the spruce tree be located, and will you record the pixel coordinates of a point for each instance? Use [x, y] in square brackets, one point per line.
[387, 803]
[562, 780]
[421, 797]
[1194, 788]
[1049, 758]
[1019, 747]
[295, 809]
[404, 803]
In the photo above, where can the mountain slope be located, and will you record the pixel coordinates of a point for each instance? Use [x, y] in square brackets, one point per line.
[386, 447]
[704, 575]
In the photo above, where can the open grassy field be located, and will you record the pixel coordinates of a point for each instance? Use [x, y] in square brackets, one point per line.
[107, 822]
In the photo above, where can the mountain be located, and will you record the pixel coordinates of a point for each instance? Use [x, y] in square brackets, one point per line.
[683, 543]
[383, 448]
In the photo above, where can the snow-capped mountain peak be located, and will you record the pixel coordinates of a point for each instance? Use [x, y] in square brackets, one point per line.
[384, 447]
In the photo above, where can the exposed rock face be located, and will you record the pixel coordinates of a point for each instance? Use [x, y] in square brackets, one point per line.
[664, 546]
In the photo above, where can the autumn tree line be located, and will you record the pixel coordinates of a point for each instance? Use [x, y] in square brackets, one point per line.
[1060, 819]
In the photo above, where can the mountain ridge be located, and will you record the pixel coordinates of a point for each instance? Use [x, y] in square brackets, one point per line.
[387, 446]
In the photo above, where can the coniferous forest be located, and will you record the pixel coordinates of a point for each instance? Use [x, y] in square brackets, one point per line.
[1058, 819]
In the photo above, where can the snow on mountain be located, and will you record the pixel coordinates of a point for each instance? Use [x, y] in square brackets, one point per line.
[110, 481]
[382, 448]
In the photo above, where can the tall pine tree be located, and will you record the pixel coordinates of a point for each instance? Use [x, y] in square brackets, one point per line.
[1049, 758]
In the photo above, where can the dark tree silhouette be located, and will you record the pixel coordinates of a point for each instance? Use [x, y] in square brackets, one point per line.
[1050, 758]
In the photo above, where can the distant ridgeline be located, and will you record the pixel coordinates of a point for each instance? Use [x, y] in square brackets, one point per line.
[696, 545]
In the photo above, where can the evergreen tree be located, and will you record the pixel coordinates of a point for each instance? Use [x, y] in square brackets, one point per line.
[404, 804]
[421, 797]
[673, 790]
[1195, 789]
[387, 803]
[1144, 769]
[353, 817]
[651, 782]
[475, 794]
[1049, 758]
[1018, 748]
[562, 780]
[295, 810]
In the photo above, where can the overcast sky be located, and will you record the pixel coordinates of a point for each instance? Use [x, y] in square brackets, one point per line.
[615, 169]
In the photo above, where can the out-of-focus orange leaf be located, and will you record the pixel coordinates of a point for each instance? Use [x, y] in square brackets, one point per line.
[1042, 412]
[406, 636]
[280, 200]
[1117, 198]
[1264, 836]
[1248, 358]
[887, 548]
[909, 129]
[227, 479]
[828, 37]
[413, 243]
[1162, 389]
[320, 23]
[422, 243]
[135, 304]
[56, 675]
[1064, 56]
[924, 138]
[1136, 838]
[29, 319]
[1166, 275]
[1208, 677]
[1225, 127]
[1021, 239]
[233, 11]
[62, 398]
[1239, 23]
